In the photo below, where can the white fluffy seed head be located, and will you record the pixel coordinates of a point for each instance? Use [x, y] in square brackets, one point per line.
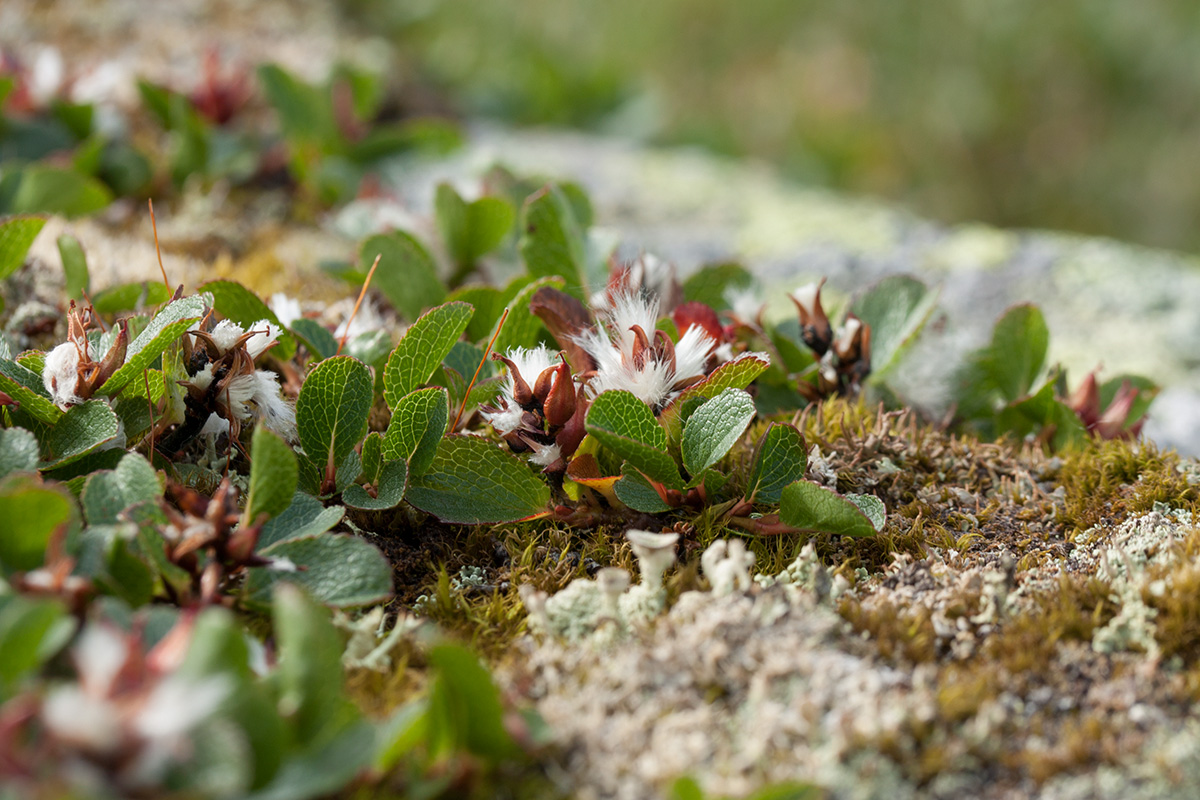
[61, 374]
[611, 347]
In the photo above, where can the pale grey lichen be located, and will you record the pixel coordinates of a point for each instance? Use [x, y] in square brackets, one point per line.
[1122, 555]
[807, 572]
[371, 642]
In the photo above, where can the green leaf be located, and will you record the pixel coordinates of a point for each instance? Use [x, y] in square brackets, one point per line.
[487, 302]
[635, 491]
[332, 410]
[164, 330]
[107, 493]
[338, 570]
[806, 506]
[372, 456]
[406, 274]
[627, 426]
[709, 284]
[1018, 351]
[316, 337]
[273, 476]
[736, 374]
[31, 513]
[392, 482]
[16, 237]
[74, 266]
[417, 425]
[422, 349]
[472, 481]
[81, 430]
[896, 308]
[471, 230]
[1044, 414]
[325, 767]
[523, 328]
[465, 705]
[371, 348]
[871, 507]
[552, 241]
[310, 662]
[305, 111]
[126, 574]
[779, 459]
[52, 190]
[26, 387]
[712, 430]
[18, 451]
[130, 296]
[31, 631]
[306, 516]
[238, 304]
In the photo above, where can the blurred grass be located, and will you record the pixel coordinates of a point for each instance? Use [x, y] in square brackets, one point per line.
[1075, 114]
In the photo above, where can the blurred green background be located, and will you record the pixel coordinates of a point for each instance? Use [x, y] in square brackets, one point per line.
[1080, 115]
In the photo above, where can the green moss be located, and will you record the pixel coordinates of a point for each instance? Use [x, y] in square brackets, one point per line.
[1110, 480]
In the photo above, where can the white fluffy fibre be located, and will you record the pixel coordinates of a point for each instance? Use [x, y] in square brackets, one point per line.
[505, 420]
[612, 348]
[545, 454]
[253, 395]
[529, 363]
[629, 310]
[807, 296]
[745, 304]
[225, 334]
[287, 309]
[61, 373]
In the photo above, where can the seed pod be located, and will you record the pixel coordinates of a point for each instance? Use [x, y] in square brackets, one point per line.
[560, 401]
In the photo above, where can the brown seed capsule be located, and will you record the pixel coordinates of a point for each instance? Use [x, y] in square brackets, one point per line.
[115, 356]
[641, 346]
[560, 401]
[521, 391]
[815, 329]
[541, 387]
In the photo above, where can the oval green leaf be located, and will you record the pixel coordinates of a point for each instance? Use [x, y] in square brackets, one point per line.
[81, 430]
[273, 476]
[107, 493]
[392, 483]
[406, 274]
[552, 241]
[332, 409]
[626, 425]
[472, 481]
[31, 513]
[16, 237]
[164, 330]
[779, 459]
[808, 507]
[338, 570]
[713, 429]
[18, 451]
[422, 349]
[736, 374]
[418, 423]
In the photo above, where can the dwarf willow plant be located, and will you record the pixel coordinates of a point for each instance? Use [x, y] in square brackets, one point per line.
[157, 472]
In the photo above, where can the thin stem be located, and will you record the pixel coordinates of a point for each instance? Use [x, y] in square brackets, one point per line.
[471, 385]
[157, 251]
[362, 293]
